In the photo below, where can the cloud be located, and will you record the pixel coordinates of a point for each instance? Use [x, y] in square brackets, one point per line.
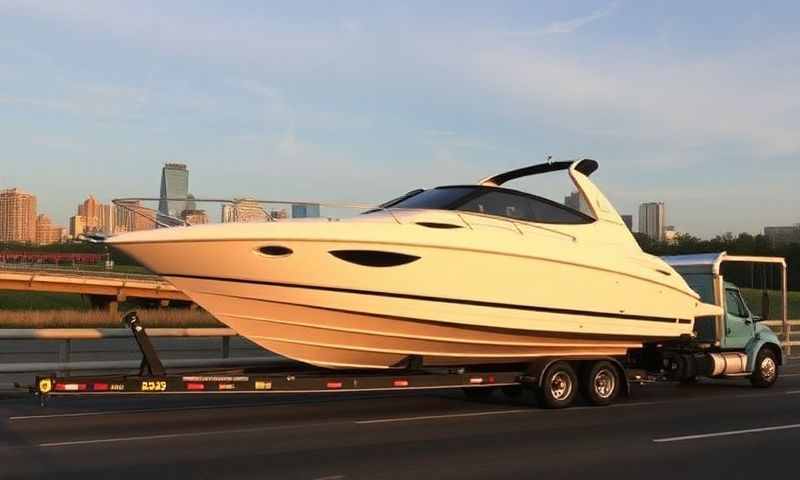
[572, 25]
[689, 103]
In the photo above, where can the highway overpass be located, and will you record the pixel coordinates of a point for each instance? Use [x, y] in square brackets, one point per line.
[102, 288]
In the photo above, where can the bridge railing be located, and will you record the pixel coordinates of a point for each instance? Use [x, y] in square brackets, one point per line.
[73, 271]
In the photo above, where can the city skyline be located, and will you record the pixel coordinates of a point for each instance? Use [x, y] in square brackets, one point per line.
[344, 104]
[94, 216]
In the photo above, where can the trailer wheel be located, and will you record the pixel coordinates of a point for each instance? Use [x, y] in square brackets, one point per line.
[765, 373]
[478, 394]
[601, 383]
[559, 386]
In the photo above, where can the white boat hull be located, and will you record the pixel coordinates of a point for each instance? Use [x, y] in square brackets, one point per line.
[452, 306]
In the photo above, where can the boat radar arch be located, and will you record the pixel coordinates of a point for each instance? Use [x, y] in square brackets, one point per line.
[585, 166]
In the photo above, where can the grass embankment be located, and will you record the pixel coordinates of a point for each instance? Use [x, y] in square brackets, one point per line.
[168, 317]
[753, 298]
[10, 300]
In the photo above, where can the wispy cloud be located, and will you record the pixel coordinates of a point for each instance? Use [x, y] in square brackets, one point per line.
[571, 25]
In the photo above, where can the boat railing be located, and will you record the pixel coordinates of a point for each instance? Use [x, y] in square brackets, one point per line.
[133, 205]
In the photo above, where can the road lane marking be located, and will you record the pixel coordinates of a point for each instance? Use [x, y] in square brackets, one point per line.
[451, 415]
[790, 375]
[170, 436]
[792, 392]
[726, 434]
[122, 412]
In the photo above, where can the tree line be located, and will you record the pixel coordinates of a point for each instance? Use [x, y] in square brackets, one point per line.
[742, 244]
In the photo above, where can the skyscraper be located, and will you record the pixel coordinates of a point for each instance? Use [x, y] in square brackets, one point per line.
[107, 218]
[651, 220]
[46, 232]
[175, 186]
[17, 216]
[77, 226]
[305, 211]
[628, 219]
[576, 201]
[243, 210]
[90, 211]
[131, 216]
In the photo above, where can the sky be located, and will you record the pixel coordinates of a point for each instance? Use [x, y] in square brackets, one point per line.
[695, 104]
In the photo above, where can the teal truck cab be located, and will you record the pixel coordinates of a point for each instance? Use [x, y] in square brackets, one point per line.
[731, 345]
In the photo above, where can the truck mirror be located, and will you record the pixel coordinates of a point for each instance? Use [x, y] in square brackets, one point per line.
[764, 305]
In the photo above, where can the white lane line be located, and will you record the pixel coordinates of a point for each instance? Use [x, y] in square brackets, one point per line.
[726, 434]
[170, 436]
[635, 404]
[141, 410]
[793, 392]
[452, 415]
[790, 374]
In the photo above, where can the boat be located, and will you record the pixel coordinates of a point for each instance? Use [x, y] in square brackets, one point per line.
[453, 275]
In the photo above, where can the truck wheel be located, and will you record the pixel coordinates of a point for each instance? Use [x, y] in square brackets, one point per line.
[601, 383]
[765, 372]
[478, 394]
[559, 386]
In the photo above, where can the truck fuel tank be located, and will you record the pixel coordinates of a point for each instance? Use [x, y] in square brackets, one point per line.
[725, 363]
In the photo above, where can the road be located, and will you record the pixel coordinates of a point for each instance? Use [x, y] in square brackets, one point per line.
[710, 430]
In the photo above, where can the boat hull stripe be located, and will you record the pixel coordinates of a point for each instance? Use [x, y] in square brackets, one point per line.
[407, 296]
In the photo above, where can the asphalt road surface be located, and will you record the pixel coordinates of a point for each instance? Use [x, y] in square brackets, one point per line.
[709, 430]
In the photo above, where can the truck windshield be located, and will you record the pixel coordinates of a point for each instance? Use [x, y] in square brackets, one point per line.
[496, 201]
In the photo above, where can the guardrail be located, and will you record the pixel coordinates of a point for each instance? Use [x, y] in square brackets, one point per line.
[787, 339]
[67, 335]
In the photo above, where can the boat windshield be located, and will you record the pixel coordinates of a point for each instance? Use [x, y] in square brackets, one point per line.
[493, 201]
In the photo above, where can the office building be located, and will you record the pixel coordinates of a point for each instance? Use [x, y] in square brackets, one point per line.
[46, 232]
[281, 214]
[132, 216]
[194, 217]
[576, 201]
[670, 235]
[651, 220]
[90, 211]
[243, 211]
[17, 216]
[77, 226]
[174, 189]
[628, 219]
[305, 210]
[106, 219]
[98, 217]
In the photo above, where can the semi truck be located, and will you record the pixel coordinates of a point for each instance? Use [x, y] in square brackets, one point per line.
[735, 345]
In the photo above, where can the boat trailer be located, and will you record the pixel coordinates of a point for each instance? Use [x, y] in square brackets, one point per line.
[153, 379]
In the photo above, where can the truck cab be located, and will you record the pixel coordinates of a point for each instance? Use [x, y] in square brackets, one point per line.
[740, 323]
[735, 337]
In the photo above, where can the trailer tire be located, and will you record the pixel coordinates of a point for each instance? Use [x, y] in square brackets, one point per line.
[558, 387]
[765, 371]
[601, 383]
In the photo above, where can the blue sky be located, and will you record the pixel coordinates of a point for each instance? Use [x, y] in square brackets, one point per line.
[692, 103]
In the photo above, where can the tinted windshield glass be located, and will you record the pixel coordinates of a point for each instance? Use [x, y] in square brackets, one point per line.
[438, 198]
[494, 201]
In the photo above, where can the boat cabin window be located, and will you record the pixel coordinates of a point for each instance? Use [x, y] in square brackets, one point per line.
[496, 201]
